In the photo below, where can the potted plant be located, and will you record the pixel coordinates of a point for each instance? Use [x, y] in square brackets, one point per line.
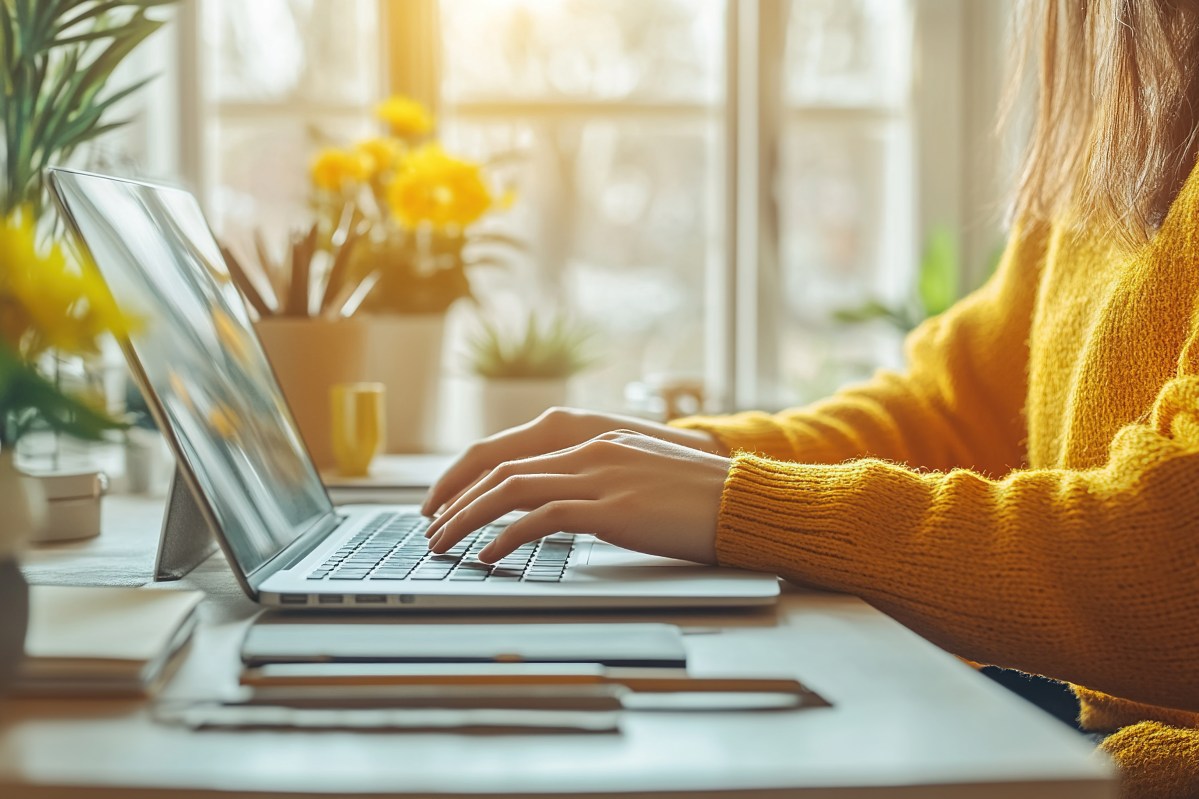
[305, 304]
[524, 372]
[46, 301]
[421, 208]
[56, 99]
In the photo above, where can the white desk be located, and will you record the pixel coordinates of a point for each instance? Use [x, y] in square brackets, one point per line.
[907, 720]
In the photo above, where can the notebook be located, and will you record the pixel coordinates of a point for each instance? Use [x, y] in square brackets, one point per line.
[644, 645]
[210, 387]
[103, 641]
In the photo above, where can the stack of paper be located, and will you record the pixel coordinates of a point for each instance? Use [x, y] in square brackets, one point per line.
[103, 641]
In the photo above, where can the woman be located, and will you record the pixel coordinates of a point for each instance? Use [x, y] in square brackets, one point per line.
[1027, 493]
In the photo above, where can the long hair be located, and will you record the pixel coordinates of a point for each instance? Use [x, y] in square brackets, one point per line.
[1116, 109]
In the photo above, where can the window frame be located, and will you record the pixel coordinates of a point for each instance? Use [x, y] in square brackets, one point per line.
[956, 181]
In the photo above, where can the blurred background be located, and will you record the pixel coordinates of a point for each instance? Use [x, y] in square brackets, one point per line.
[757, 196]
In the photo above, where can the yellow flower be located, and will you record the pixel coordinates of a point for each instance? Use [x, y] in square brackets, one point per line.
[337, 170]
[435, 188]
[46, 301]
[404, 116]
[382, 154]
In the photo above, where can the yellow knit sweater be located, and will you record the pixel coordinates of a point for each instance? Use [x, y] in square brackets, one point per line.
[1027, 493]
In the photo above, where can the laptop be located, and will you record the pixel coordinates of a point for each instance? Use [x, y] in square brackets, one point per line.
[211, 389]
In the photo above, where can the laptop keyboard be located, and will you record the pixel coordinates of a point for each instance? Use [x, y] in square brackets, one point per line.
[392, 546]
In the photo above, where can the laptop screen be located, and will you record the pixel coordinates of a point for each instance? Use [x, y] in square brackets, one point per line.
[206, 372]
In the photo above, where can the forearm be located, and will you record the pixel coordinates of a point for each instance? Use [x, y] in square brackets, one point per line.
[1084, 576]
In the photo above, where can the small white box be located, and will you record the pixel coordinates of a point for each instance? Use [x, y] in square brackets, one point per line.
[73, 502]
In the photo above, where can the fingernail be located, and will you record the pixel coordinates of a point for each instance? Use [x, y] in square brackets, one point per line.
[485, 555]
[433, 542]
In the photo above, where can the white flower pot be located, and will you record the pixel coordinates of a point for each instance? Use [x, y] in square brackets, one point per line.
[404, 353]
[505, 403]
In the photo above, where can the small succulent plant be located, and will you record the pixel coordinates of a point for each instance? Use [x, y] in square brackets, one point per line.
[555, 348]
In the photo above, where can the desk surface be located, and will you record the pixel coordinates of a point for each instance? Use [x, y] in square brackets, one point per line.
[906, 720]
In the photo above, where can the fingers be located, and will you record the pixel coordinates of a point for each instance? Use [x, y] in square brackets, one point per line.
[520, 492]
[463, 472]
[531, 438]
[553, 517]
[545, 464]
[581, 472]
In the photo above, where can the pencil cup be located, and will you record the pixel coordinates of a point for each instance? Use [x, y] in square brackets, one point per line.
[358, 426]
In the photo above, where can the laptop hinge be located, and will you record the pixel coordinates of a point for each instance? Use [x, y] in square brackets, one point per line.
[299, 549]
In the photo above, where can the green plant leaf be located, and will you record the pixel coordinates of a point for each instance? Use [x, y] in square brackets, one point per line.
[937, 284]
[59, 56]
[27, 398]
[558, 348]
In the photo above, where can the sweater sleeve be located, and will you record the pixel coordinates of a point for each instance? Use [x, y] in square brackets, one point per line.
[1087, 576]
[959, 404]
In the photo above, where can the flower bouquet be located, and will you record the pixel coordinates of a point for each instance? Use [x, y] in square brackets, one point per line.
[420, 206]
[420, 209]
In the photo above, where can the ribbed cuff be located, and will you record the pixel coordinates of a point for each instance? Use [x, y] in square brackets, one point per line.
[790, 519]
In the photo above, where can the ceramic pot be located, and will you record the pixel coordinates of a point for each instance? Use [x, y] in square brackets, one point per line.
[510, 402]
[21, 511]
[309, 357]
[404, 353]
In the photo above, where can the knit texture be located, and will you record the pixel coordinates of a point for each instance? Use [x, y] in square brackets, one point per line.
[1156, 761]
[1027, 493]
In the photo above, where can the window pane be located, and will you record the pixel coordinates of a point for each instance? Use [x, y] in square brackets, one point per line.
[854, 53]
[846, 198]
[846, 219]
[620, 217]
[262, 172]
[643, 50]
[843, 242]
[291, 50]
[620, 202]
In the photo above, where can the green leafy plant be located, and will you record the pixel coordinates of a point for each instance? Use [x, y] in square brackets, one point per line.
[937, 287]
[28, 399]
[58, 57]
[557, 348]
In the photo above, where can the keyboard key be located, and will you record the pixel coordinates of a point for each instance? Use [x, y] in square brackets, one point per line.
[468, 575]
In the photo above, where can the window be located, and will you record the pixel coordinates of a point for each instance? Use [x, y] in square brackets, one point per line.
[845, 187]
[706, 181]
[615, 111]
[280, 78]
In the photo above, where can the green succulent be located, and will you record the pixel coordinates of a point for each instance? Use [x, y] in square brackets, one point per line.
[58, 56]
[557, 348]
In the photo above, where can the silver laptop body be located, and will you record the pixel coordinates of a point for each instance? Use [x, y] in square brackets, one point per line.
[210, 387]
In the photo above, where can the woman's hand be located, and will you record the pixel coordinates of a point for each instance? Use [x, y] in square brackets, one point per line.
[627, 488]
[556, 429]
